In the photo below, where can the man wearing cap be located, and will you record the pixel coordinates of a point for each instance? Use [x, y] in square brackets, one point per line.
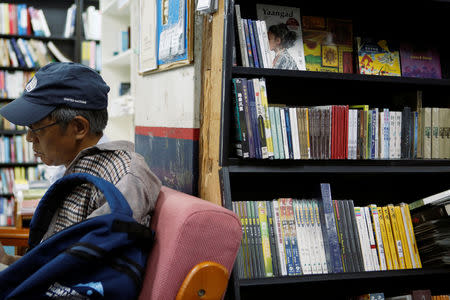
[64, 107]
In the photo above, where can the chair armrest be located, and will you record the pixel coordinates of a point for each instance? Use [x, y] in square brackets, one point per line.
[206, 281]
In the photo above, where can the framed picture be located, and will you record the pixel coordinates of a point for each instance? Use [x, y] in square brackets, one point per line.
[166, 35]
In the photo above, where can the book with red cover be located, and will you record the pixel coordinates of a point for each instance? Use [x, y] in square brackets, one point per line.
[420, 61]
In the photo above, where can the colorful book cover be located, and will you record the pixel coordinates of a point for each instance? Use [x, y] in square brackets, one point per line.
[327, 43]
[378, 57]
[284, 18]
[420, 61]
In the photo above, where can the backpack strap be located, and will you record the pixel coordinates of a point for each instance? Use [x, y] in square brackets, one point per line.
[59, 191]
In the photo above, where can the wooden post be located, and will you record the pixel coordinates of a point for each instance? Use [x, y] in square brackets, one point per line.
[210, 105]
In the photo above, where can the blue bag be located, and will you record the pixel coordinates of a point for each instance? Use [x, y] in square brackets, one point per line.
[99, 258]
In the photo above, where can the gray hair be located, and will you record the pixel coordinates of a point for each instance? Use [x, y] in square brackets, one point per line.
[97, 118]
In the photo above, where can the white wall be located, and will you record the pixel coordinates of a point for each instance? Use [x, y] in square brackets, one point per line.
[165, 99]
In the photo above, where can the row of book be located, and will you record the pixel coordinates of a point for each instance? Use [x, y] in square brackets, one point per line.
[326, 45]
[22, 20]
[334, 131]
[24, 53]
[6, 211]
[17, 175]
[413, 295]
[290, 237]
[12, 84]
[91, 55]
[15, 149]
[28, 194]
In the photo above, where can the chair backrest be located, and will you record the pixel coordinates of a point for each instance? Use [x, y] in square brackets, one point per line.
[189, 231]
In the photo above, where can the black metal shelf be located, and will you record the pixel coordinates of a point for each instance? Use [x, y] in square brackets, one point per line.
[42, 38]
[346, 276]
[18, 69]
[338, 166]
[12, 132]
[400, 81]
[16, 164]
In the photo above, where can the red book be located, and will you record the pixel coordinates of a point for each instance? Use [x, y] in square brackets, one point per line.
[345, 132]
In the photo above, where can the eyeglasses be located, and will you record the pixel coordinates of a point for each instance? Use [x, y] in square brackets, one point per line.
[34, 131]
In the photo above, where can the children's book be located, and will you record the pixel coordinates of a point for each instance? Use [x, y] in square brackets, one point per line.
[420, 61]
[327, 44]
[274, 15]
[378, 57]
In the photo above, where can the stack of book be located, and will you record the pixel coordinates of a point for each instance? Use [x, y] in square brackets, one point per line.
[290, 237]
[28, 194]
[279, 131]
[24, 53]
[430, 217]
[22, 20]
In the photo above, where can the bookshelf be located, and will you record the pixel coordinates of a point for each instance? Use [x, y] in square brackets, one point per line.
[55, 14]
[117, 58]
[367, 181]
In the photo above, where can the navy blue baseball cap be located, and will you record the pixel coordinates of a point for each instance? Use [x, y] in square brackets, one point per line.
[57, 84]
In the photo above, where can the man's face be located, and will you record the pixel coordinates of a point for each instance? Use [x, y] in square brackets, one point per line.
[51, 143]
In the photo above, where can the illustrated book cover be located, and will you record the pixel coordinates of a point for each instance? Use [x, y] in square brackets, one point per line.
[378, 57]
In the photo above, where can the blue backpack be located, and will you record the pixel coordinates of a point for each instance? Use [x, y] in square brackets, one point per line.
[99, 258]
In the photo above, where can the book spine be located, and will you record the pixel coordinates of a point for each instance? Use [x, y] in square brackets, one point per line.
[407, 233]
[363, 238]
[390, 237]
[427, 133]
[240, 255]
[265, 238]
[373, 246]
[294, 132]
[274, 132]
[248, 247]
[402, 233]
[301, 237]
[288, 133]
[253, 43]
[259, 250]
[331, 228]
[378, 238]
[260, 115]
[253, 118]
[340, 236]
[356, 257]
[256, 35]
[284, 133]
[241, 36]
[267, 123]
[319, 236]
[273, 247]
[286, 237]
[247, 113]
[293, 236]
[251, 62]
[279, 236]
[384, 237]
[397, 238]
[413, 236]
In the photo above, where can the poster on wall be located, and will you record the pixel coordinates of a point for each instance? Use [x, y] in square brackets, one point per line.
[147, 36]
[166, 35]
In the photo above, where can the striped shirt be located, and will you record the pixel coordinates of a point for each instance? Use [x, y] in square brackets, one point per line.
[119, 164]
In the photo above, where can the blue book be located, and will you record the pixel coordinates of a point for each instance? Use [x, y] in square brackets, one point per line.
[248, 124]
[248, 42]
[22, 22]
[289, 133]
[19, 54]
[330, 223]
[253, 119]
[373, 121]
[253, 43]
[257, 44]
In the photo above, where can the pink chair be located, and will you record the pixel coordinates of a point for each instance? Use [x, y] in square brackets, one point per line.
[190, 231]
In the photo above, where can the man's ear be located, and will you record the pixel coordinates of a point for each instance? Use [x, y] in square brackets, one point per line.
[81, 127]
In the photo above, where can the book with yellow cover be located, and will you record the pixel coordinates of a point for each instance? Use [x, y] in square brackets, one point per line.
[384, 236]
[415, 249]
[378, 57]
[401, 229]
[378, 236]
[390, 236]
[265, 241]
[397, 237]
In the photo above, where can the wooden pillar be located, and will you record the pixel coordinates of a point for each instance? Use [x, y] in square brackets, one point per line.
[210, 105]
